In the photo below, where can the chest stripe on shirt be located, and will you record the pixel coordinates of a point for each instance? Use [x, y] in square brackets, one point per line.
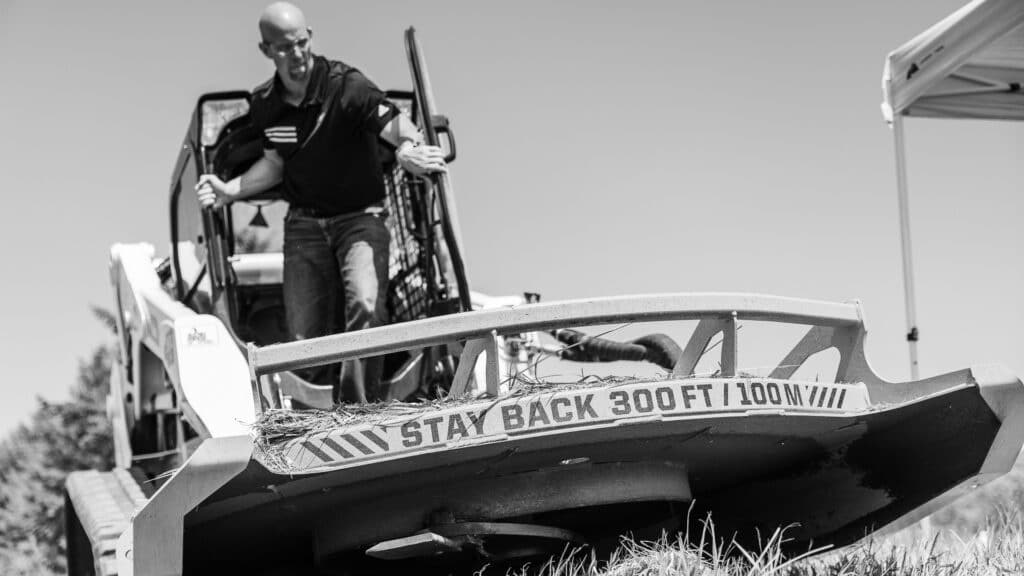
[282, 134]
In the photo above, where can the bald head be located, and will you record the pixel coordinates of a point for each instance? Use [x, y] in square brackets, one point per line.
[279, 20]
[286, 41]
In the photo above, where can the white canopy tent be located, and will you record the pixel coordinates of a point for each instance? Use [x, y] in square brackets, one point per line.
[969, 65]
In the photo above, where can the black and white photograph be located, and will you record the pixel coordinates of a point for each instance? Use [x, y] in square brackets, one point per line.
[563, 288]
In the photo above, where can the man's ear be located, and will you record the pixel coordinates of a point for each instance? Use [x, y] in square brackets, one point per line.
[264, 49]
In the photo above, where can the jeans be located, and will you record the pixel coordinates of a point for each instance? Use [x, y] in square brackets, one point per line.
[336, 279]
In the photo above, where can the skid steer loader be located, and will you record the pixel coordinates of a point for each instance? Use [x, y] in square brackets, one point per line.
[229, 463]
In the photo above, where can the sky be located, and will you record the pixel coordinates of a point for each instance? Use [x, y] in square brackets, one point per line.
[605, 148]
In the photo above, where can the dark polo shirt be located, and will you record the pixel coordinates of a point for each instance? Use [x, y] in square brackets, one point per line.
[331, 163]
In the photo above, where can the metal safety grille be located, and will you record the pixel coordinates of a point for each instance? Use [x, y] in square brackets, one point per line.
[409, 285]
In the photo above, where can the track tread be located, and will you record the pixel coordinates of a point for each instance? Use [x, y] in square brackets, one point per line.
[105, 503]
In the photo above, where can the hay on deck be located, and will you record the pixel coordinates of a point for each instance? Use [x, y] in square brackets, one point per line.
[278, 425]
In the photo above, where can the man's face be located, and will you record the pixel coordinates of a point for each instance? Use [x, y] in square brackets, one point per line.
[291, 51]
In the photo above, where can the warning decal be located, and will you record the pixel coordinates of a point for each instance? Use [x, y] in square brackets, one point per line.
[566, 410]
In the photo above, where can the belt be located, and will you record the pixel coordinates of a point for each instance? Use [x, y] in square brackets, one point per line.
[309, 212]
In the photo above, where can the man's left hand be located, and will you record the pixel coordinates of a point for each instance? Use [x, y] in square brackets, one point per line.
[420, 160]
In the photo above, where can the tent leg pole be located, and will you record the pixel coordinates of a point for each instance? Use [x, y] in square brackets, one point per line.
[908, 263]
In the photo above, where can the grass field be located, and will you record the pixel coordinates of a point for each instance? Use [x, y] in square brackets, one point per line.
[979, 535]
[996, 550]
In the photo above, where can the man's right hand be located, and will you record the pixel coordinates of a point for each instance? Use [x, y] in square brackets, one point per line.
[419, 160]
[212, 191]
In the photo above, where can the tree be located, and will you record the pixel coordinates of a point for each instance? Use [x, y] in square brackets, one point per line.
[59, 437]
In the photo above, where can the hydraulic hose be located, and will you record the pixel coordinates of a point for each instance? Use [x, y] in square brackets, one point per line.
[655, 348]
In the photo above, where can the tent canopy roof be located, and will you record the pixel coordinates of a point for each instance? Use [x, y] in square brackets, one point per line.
[969, 65]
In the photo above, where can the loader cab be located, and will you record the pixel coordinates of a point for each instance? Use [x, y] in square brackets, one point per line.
[219, 140]
[229, 261]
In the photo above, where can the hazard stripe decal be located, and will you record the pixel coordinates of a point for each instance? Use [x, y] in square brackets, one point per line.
[359, 445]
[316, 451]
[376, 440]
[337, 447]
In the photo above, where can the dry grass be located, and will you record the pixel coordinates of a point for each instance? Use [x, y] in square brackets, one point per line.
[278, 425]
[996, 550]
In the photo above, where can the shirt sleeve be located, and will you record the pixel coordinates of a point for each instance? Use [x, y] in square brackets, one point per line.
[366, 103]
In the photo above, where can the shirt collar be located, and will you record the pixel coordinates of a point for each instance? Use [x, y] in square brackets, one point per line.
[316, 90]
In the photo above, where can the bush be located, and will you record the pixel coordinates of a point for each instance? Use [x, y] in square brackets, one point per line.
[35, 459]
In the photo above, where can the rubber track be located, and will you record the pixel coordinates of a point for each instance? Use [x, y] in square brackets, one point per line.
[104, 503]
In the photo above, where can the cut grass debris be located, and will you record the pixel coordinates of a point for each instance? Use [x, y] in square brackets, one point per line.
[997, 549]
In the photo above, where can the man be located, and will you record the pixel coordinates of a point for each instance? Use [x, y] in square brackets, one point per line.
[320, 122]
